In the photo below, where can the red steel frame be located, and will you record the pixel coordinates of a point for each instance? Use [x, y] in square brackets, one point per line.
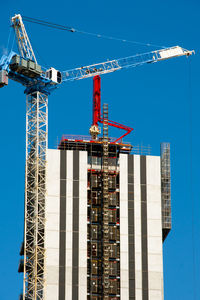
[97, 109]
[96, 99]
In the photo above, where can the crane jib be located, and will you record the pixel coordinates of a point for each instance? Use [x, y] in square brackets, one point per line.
[26, 71]
[127, 62]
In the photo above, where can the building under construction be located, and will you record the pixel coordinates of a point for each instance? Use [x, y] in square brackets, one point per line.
[107, 214]
[96, 220]
[96, 212]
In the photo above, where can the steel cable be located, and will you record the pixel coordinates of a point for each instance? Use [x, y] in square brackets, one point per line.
[71, 29]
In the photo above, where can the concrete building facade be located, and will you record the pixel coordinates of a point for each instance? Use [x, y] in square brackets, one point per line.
[72, 235]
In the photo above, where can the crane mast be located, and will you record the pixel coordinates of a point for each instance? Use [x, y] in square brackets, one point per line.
[35, 195]
[39, 83]
[35, 177]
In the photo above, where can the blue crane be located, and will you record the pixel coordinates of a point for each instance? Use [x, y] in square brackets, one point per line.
[24, 68]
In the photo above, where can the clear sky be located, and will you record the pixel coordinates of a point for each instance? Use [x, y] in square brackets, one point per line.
[160, 101]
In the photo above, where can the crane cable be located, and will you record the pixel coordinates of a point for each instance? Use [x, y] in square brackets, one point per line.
[71, 29]
[191, 179]
[8, 42]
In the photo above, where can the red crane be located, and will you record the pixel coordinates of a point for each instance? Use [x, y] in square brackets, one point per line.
[94, 129]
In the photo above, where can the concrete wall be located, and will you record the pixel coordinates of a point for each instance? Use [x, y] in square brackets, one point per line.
[52, 225]
[141, 266]
[124, 267]
[66, 226]
[140, 228]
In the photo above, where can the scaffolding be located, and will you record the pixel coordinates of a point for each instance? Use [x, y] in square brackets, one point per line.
[82, 143]
[103, 218]
[165, 189]
[105, 210]
[103, 235]
[94, 229]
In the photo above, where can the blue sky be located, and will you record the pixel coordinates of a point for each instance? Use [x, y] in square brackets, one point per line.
[160, 101]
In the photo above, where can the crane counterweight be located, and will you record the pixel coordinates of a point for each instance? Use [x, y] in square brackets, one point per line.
[3, 78]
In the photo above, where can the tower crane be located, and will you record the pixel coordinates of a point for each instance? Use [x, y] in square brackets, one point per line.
[22, 67]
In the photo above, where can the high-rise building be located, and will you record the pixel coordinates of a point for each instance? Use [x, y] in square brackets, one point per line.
[107, 214]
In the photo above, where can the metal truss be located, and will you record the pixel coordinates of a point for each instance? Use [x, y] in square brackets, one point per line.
[23, 41]
[127, 62]
[106, 282]
[165, 188]
[35, 193]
